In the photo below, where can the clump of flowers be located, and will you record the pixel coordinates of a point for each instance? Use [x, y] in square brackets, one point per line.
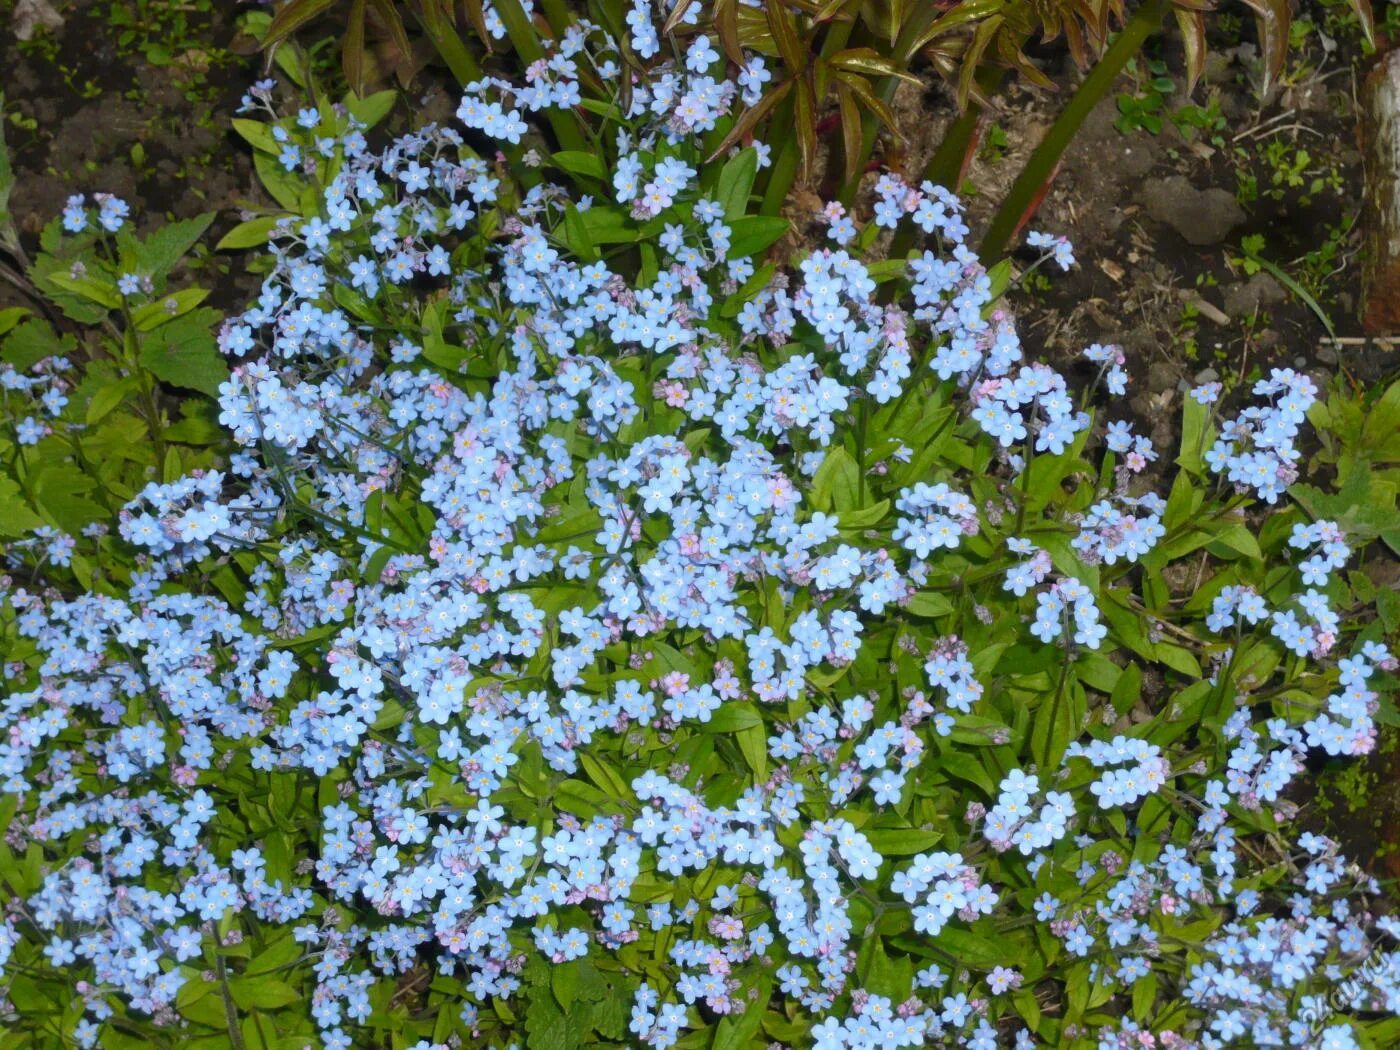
[608, 624]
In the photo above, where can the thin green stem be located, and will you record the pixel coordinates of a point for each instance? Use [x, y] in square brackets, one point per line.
[235, 1034]
[1027, 454]
[1040, 168]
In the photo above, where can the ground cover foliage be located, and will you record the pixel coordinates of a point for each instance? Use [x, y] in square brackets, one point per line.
[553, 618]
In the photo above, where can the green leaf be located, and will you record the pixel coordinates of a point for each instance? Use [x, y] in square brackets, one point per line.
[604, 776]
[579, 162]
[108, 398]
[901, 842]
[751, 234]
[11, 316]
[753, 745]
[979, 731]
[549, 1027]
[371, 109]
[929, 603]
[258, 1032]
[966, 766]
[158, 253]
[1127, 689]
[257, 134]
[1194, 435]
[1058, 720]
[837, 481]
[199, 424]
[16, 519]
[866, 517]
[608, 224]
[972, 949]
[378, 561]
[736, 183]
[610, 1015]
[563, 981]
[736, 1031]
[250, 234]
[33, 341]
[184, 353]
[583, 799]
[733, 716]
[1000, 278]
[167, 308]
[101, 293]
[199, 1001]
[1144, 996]
[58, 493]
[281, 185]
[262, 992]
[1239, 539]
[576, 236]
[280, 953]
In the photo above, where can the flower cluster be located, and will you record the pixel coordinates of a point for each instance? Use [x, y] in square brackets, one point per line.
[1256, 450]
[639, 640]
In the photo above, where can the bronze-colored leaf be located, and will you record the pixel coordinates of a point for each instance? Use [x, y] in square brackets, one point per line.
[753, 116]
[1078, 48]
[292, 17]
[726, 20]
[869, 99]
[830, 10]
[476, 15]
[914, 19]
[1273, 18]
[866, 60]
[678, 13]
[1013, 56]
[1193, 38]
[972, 58]
[962, 14]
[785, 36]
[352, 55]
[896, 20]
[393, 25]
[1367, 19]
[805, 124]
[850, 130]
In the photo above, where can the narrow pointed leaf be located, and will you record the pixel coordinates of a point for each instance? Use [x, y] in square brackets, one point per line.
[1273, 18]
[1367, 19]
[389, 15]
[972, 59]
[292, 17]
[1193, 39]
[785, 36]
[751, 118]
[726, 20]
[677, 16]
[850, 130]
[870, 100]
[962, 14]
[352, 55]
[806, 129]
[865, 60]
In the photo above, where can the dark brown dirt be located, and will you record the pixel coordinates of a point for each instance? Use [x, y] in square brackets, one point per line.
[87, 113]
